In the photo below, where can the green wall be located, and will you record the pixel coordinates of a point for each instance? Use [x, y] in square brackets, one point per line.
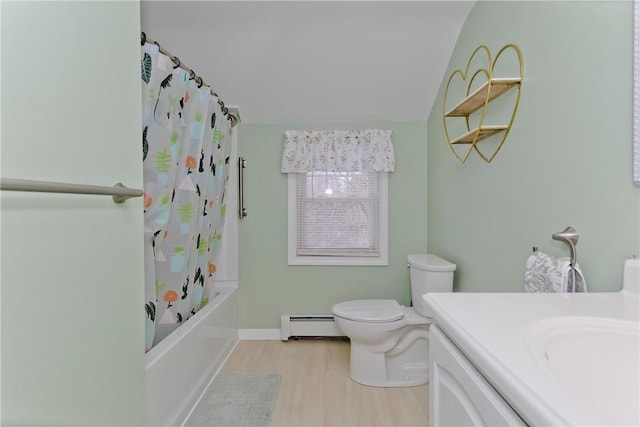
[567, 160]
[72, 265]
[268, 286]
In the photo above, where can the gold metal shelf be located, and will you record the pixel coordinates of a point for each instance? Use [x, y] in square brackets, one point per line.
[480, 99]
[488, 91]
[483, 133]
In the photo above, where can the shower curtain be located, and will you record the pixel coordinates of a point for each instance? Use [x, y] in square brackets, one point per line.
[186, 144]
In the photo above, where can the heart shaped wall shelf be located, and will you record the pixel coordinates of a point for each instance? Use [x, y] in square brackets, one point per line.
[476, 104]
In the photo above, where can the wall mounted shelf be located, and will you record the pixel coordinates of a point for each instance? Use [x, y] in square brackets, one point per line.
[480, 96]
[483, 132]
[479, 100]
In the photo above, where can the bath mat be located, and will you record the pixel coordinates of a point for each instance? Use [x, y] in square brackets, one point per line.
[237, 399]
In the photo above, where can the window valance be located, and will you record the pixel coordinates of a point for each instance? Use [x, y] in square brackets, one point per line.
[368, 150]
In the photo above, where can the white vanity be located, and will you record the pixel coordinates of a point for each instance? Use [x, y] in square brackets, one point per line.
[536, 359]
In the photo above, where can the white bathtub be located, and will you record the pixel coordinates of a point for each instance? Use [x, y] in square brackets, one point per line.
[179, 368]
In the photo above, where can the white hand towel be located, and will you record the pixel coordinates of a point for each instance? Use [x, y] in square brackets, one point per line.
[572, 278]
[546, 273]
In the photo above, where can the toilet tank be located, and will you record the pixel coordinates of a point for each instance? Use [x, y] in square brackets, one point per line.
[429, 273]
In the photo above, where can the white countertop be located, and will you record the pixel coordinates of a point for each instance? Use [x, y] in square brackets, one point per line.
[492, 330]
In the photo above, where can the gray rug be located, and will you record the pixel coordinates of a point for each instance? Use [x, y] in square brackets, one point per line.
[237, 400]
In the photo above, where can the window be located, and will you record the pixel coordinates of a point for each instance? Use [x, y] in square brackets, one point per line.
[337, 184]
[338, 218]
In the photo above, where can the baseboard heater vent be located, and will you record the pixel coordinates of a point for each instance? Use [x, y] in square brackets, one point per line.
[308, 326]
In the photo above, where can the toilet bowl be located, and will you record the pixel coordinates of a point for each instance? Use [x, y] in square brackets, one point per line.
[390, 342]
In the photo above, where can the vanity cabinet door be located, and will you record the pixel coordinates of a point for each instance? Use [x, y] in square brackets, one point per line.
[458, 394]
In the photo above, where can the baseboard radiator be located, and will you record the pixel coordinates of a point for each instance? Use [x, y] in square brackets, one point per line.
[308, 326]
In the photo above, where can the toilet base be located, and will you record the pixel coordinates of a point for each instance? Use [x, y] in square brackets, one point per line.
[406, 380]
[405, 368]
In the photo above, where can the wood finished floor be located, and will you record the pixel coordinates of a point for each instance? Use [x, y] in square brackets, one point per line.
[316, 389]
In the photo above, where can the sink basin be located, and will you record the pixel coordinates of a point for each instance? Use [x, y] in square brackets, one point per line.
[597, 360]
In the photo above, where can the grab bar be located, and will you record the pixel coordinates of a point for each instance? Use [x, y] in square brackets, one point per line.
[119, 192]
[242, 164]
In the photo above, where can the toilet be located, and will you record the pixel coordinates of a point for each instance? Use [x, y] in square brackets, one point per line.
[390, 342]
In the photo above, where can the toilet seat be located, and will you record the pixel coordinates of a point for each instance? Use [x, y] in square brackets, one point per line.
[369, 311]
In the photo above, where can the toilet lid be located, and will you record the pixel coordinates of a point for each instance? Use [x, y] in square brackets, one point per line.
[369, 310]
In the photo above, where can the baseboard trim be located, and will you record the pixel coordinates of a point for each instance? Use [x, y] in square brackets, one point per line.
[259, 335]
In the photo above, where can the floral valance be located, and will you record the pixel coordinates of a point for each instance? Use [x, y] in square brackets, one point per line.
[368, 150]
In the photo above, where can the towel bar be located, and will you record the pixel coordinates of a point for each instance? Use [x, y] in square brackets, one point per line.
[119, 192]
[569, 236]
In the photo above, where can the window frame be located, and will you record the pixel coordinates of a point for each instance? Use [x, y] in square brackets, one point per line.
[382, 259]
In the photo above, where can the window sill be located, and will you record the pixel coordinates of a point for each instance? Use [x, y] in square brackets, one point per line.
[339, 261]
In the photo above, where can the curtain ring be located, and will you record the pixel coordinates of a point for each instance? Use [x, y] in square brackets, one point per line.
[176, 61]
[192, 75]
[200, 82]
[143, 38]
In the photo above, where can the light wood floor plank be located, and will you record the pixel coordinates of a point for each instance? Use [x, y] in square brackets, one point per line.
[316, 389]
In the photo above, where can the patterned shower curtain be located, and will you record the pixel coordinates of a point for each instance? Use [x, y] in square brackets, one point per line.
[186, 142]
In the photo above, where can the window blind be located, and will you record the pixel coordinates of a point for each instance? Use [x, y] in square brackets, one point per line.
[338, 213]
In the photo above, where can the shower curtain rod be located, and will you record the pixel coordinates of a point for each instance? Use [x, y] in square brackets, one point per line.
[144, 39]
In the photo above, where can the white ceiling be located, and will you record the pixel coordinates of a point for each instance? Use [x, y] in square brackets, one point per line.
[314, 62]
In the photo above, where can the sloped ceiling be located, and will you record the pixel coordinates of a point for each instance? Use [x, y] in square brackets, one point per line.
[314, 62]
